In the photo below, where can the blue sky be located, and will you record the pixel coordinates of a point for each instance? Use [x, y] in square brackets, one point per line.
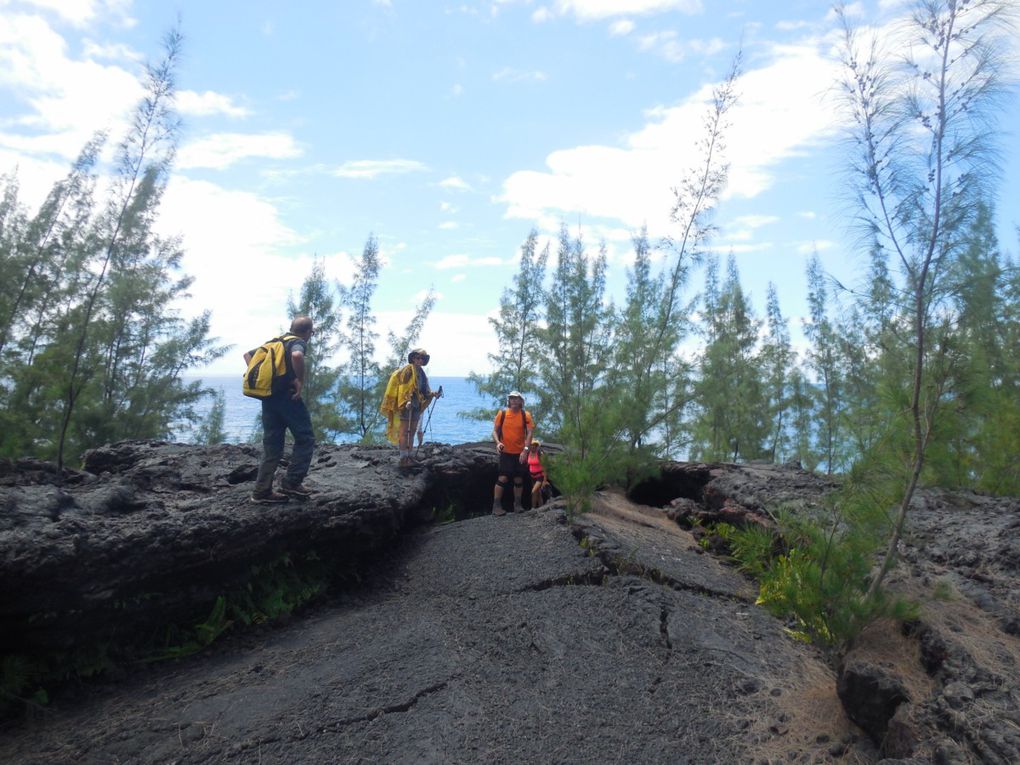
[449, 130]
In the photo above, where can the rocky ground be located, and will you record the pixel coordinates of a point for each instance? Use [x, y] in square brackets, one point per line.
[524, 638]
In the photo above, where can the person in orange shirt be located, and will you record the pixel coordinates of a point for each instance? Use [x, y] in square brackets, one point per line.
[511, 430]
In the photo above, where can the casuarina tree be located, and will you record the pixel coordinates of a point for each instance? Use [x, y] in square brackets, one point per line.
[515, 364]
[924, 158]
[318, 301]
[361, 374]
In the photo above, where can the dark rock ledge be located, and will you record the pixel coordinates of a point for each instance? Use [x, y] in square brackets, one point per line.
[612, 638]
[150, 531]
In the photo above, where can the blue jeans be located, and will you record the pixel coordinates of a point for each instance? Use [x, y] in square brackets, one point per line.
[278, 414]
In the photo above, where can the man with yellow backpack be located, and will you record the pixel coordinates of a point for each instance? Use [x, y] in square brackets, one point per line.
[275, 375]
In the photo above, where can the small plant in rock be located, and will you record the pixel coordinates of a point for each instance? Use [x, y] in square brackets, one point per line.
[186, 642]
[944, 591]
[822, 576]
[444, 515]
[753, 548]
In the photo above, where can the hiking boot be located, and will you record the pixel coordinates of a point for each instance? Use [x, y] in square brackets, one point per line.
[497, 507]
[518, 507]
[297, 491]
[269, 497]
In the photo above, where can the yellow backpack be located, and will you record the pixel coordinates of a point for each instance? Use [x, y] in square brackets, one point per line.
[269, 363]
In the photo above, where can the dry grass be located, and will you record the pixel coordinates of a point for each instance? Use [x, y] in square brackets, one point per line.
[884, 643]
[968, 627]
[815, 719]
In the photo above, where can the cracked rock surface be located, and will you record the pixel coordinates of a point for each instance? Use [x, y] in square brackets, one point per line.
[489, 640]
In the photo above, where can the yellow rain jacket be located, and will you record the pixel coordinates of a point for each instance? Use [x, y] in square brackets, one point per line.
[403, 384]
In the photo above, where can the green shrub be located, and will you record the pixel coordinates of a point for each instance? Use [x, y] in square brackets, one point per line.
[820, 573]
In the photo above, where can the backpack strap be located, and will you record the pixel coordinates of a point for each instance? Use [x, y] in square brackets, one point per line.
[286, 339]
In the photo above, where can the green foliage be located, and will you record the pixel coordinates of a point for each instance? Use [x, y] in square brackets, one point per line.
[819, 567]
[943, 591]
[576, 338]
[91, 343]
[271, 591]
[444, 515]
[600, 456]
[319, 302]
[515, 364]
[825, 362]
[210, 431]
[652, 381]
[753, 547]
[361, 375]
[278, 588]
[732, 409]
[776, 360]
[17, 676]
[612, 386]
[924, 160]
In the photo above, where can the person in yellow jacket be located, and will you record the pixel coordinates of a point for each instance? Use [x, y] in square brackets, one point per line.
[407, 395]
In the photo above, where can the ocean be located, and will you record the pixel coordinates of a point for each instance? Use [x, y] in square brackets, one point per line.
[446, 426]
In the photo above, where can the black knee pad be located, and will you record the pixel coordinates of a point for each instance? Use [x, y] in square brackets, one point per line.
[518, 481]
[503, 480]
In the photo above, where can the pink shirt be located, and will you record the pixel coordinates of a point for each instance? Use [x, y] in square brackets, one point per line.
[535, 465]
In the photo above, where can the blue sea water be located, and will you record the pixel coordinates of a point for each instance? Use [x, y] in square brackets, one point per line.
[446, 425]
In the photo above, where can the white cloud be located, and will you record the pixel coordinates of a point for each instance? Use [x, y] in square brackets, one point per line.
[457, 90]
[77, 12]
[667, 45]
[621, 28]
[388, 252]
[81, 13]
[809, 248]
[208, 103]
[457, 342]
[458, 278]
[740, 249]
[372, 168]
[222, 150]
[447, 207]
[508, 74]
[449, 225]
[852, 10]
[466, 261]
[792, 26]
[35, 176]
[68, 100]
[113, 52]
[455, 183]
[780, 113]
[541, 15]
[233, 241]
[754, 221]
[808, 214]
[595, 10]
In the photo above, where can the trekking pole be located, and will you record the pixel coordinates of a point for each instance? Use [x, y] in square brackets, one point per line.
[428, 419]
